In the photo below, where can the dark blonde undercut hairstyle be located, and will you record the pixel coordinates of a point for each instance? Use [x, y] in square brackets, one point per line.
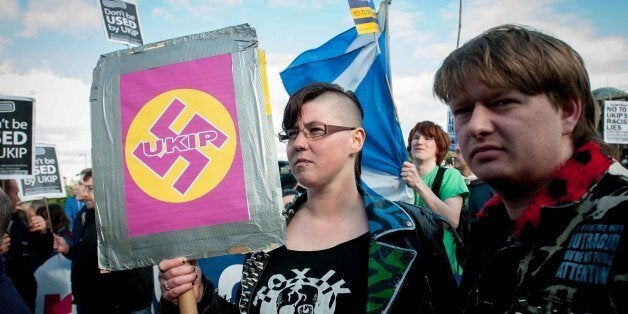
[292, 112]
[521, 58]
[432, 130]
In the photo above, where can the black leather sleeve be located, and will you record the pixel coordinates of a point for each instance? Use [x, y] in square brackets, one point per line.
[440, 291]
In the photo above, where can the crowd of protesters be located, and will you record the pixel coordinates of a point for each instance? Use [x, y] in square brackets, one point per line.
[39, 231]
[547, 228]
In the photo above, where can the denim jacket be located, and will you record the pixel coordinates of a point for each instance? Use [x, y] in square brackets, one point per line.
[408, 268]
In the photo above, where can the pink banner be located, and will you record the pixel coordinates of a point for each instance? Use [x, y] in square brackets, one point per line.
[183, 162]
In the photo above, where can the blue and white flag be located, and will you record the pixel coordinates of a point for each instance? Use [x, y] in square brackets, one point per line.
[360, 63]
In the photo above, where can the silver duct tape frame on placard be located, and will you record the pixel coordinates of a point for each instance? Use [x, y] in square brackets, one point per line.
[264, 230]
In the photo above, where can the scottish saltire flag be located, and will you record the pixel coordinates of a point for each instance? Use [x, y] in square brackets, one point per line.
[360, 63]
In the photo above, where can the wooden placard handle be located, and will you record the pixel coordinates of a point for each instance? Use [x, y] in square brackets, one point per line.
[187, 303]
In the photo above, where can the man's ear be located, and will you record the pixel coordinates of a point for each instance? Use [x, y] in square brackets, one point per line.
[570, 115]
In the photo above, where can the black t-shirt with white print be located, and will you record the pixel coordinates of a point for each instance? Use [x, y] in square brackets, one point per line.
[328, 281]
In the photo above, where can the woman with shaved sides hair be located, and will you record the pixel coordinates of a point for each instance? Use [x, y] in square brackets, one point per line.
[346, 251]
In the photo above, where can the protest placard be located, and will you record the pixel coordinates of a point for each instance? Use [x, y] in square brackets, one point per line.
[616, 122]
[183, 151]
[46, 180]
[121, 21]
[17, 116]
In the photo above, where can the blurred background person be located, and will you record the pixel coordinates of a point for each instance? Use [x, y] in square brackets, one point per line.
[96, 291]
[289, 182]
[479, 191]
[59, 220]
[288, 196]
[33, 205]
[440, 189]
[30, 246]
[75, 202]
[5, 241]
[53, 276]
[10, 299]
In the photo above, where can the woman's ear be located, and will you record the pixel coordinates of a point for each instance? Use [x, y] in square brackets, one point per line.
[358, 138]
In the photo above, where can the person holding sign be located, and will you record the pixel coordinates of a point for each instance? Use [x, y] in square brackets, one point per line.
[96, 291]
[30, 245]
[346, 251]
[10, 299]
[555, 238]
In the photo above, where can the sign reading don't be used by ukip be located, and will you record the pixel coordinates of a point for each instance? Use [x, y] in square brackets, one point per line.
[121, 21]
[184, 161]
[46, 180]
[17, 115]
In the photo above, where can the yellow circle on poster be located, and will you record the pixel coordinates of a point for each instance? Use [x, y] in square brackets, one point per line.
[180, 145]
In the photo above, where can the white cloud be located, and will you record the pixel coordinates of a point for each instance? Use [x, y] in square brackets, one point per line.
[61, 112]
[314, 4]
[66, 16]
[163, 14]
[277, 62]
[200, 8]
[402, 23]
[414, 101]
[604, 55]
[416, 53]
[3, 42]
[9, 9]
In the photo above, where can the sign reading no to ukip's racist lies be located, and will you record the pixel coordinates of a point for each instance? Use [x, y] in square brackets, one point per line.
[17, 115]
[616, 122]
[183, 152]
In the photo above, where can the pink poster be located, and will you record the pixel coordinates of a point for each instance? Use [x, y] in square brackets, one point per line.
[182, 156]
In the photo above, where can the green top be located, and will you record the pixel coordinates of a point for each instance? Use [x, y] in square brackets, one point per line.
[453, 185]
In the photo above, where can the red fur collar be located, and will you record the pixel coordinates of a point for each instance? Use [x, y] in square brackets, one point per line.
[570, 183]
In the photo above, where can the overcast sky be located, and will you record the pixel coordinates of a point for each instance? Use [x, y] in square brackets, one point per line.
[48, 48]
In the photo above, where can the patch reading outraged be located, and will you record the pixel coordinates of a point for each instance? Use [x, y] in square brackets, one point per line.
[590, 253]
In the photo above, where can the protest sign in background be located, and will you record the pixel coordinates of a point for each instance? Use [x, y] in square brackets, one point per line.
[17, 115]
[54, 294]
[616, 122]
[184, 151]
[121, 21]
[46, 180]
